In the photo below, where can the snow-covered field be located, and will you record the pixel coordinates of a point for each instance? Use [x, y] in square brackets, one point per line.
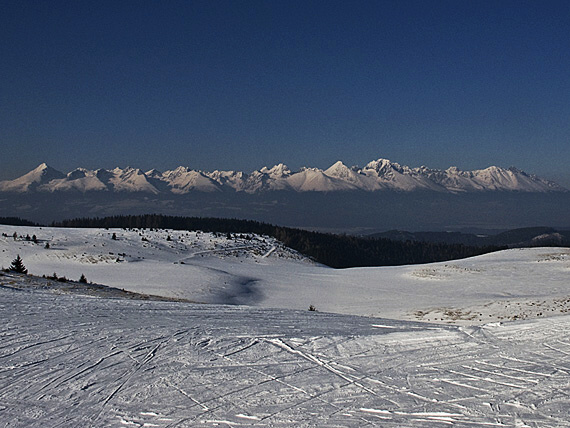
[73, 360]
[202, 267]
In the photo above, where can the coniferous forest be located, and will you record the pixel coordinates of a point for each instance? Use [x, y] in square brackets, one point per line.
[16, 221]
[338, 251]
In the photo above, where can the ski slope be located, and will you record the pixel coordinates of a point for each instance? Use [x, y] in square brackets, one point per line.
[70, 360]
[440, 350]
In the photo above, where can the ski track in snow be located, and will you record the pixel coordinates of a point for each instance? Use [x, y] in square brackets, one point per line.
[79, 361]
[74, 360]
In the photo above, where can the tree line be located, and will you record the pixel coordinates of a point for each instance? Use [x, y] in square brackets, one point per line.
[338, 251]
[16, 221]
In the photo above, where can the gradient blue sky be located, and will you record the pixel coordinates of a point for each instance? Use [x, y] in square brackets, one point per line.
[243, 84]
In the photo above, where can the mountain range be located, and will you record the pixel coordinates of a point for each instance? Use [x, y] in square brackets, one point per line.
[378, 175]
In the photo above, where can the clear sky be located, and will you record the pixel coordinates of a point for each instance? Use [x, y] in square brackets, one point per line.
[243, 84]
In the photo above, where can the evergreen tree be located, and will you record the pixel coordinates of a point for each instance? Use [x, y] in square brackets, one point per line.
[18, 265]
[83, 279]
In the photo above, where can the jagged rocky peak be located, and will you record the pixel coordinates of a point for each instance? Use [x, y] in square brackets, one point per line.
[44, 172]
[453, 170]
[382, 166]
[279, 170]
[378, 175]
[153, 173]
[103, 174]
[176, 172]
[77, 173]
[129, 171]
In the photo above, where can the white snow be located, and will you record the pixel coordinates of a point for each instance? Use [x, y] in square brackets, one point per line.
[38, 176]
[131, 180]
[182, 180]
[518, 283]
[381, 174]
[72, 360]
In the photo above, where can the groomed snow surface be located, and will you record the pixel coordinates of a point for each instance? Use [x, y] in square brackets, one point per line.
[439, 352]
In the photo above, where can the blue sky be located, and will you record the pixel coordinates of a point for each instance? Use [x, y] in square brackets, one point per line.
[243, 84]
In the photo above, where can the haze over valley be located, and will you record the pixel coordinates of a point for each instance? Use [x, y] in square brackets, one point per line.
[382, 195]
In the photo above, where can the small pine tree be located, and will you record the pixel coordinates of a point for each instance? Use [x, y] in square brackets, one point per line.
[83, 279]
[114, 237]
[18, 265]
[47, 246]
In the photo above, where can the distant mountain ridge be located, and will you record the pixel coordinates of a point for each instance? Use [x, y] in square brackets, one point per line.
[378, 175]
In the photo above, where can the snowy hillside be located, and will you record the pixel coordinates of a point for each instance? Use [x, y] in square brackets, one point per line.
[377, 175]
[256, 270]
[68, 359]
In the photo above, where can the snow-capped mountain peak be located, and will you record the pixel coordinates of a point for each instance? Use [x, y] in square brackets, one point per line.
[377, 175]
[153, 173]
[77, 174]
[277, 171]
[338, 169]
[40, 175]
[44, 173]
[183, 180]
[131, 180]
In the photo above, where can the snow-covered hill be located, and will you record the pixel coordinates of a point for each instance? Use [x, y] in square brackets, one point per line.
[381, 174]
[73, 360]
[257, 270]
